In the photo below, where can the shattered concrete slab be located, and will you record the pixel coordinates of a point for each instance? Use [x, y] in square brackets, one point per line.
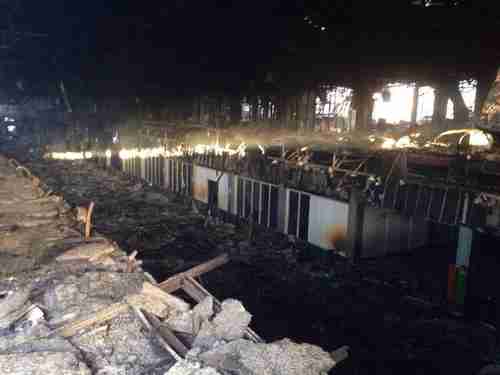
[89, 296]
[122, 345]
[280, 358]
[82, 295]
[34, 339]
[191, 368]
[232, 321]
[219, 346]
[205, 309]
[190, 322]
[43, 363]
[79, 286]
[206, 337]
[184, 368]
[183, 323]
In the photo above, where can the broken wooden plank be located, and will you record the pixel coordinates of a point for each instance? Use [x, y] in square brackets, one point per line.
[100, 317]
[147, 303]
[160, 295]
[166, 333]
[148, 326]
[175, 282]
[192, 291]
[88, 221]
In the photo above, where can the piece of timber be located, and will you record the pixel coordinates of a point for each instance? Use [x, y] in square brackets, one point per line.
[199, 293]
[148, 325]
[88, 221]
[99, 317]
[175, 282]
[166, 334]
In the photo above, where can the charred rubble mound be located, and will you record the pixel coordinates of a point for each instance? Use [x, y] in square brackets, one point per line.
[73, 305]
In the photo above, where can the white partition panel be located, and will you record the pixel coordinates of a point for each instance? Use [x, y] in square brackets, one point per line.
[201, 175]
[328, 223]
[223, 193]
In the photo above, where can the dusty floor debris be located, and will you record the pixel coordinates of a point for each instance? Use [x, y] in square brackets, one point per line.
[274, 278]
[71, 306]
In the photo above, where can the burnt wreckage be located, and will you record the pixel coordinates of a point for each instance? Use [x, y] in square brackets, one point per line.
[363, 194]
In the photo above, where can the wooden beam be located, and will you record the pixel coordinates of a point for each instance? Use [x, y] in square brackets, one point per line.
[175, 282]
[102, 316]
[145, 321]
[414, 106]
[166, 334]
[88, 221]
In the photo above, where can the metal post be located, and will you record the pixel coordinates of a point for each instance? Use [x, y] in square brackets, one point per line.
[355, 224]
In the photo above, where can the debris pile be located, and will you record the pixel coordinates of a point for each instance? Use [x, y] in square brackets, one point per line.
[78, 315]
[77, 304]
[219, 346]
[280, 281]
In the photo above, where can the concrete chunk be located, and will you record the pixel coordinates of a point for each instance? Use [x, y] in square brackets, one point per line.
[207, 336]
[232, 321]
[207, 371]
[280, 358]
[184, 368]
[191, 368]
[42, 363]
[302, 359]
[182, 323]
[205, 309]
[13, 301]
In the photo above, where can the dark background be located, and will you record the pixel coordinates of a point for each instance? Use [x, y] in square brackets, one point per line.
[155, 47]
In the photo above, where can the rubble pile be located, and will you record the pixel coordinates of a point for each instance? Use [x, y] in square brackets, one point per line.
[74, 306]
[218, 346]
[169, 235]
[281, 281]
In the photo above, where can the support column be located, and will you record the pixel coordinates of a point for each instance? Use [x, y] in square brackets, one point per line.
[440, 103]
[363, 104]
[355, 225]
[461, 112]
[309, 112]
[414, 108]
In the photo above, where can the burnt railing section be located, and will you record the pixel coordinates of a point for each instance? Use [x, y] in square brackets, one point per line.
[313, 179]
[443, 204]
[260, 178]
[178, 172]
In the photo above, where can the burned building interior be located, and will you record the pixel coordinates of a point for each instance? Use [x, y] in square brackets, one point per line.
[328, 170]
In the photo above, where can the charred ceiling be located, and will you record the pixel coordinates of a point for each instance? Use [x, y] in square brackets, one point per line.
[395, 39]
[187, 47]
